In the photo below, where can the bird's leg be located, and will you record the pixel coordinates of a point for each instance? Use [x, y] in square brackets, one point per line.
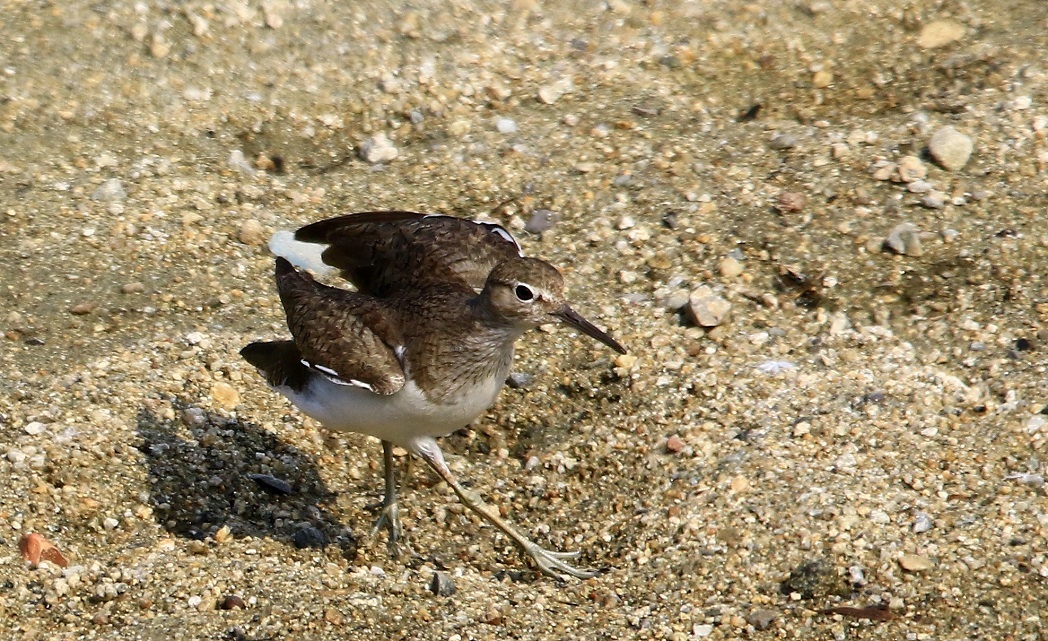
[389, 517]
[550, 563]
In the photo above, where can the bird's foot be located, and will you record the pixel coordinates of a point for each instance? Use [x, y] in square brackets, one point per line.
[389, 519]
[555, 564]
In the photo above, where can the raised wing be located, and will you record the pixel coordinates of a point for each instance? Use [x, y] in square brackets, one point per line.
[343, 335]
[382, 252]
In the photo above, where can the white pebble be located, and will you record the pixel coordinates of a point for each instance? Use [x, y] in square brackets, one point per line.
[378, 149]
[950, 148]
[506, 126]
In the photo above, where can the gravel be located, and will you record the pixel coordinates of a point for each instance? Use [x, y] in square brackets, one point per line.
[857, 450]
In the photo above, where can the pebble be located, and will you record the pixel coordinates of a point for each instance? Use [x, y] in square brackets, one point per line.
[110, 191]
[904, 239]
[224, 395]
[919, 187]
[883, 170]
[761, 619]
[519, 380]
[82, 309]
[272, 484]
[950, 148]
[783, 141]
[378, 148]
[309, 537]
[541, 220]
[239, 162]
[940, 33]
[194, 417]
[110, 523]
[911, 168]
[706, 308]
[934, 199]
[233, 602]
[922, 522]
[674, 444]
[915, 563]
[676, 300]
[441, 584]
[35, 427]
[134, 287]
[551, 93]
[730, 267]
[251, 233]
[506, 125]
[789, 201]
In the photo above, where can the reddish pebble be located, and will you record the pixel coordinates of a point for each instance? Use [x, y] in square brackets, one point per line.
[674, 444]
[35, 548]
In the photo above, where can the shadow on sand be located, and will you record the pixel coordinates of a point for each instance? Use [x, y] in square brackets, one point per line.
[201, 471]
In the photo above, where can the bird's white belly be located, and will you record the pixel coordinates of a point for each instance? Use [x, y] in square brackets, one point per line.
[399, 418]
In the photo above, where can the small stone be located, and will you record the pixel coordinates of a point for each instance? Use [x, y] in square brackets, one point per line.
[232, 602]
[730, 267]
[132, 288]
[110, 191]
[789, 201]
[950, 148]
[333, 617]
[238, 161]
[35, 548]
[442, 585]
[922, 523]
[905, 240]
[378, 149]
[224, 395]
[783, 141]
[911, 168]
[110, 523]
[919, 187]
[940, 33]
[883, 171]
[541, 220]
[707, 309]
[761, 619]
[625, 361]
[194, 417]
[822, 79]
[674, 444]
[506, 125]
[915, 563]
[223, 535]
[934, 199]
[81, 309]
[35, 427]
[701, 630]
[676, 301]
[272, 484]
[552, 92]
[251, 233]
[519, 380]
[309, 537]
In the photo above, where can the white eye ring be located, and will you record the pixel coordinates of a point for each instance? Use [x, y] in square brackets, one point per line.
[524, 293]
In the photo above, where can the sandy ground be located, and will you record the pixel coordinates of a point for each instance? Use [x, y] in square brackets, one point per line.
[865, 429]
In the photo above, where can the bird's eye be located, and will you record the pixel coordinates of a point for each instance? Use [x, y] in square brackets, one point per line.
[524, 293]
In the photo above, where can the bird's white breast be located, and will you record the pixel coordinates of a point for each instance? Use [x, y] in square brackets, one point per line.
[399, 418]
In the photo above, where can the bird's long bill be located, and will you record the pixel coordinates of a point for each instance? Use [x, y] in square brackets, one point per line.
[571, 317]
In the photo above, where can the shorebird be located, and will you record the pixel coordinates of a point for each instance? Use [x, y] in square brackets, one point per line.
[421, 348]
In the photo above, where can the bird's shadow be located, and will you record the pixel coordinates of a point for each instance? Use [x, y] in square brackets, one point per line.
[207, 472]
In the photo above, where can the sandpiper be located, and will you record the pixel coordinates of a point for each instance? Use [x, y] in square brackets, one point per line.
[424, 344]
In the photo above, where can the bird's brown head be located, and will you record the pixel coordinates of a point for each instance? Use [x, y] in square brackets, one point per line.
[528, 292]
